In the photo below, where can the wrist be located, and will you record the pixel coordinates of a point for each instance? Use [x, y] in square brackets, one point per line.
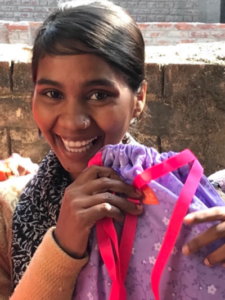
[73, 254]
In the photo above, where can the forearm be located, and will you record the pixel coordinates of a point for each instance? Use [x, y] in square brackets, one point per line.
[51, 273]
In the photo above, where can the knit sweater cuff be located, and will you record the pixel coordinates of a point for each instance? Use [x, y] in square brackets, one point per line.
[51, 273]
[65, 262]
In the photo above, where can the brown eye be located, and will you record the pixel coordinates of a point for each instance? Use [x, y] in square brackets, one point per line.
[54, 95]
[99, 96]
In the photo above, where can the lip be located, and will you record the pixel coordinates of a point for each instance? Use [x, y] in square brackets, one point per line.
[87, 155]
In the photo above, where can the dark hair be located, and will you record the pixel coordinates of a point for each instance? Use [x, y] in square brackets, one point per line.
[101, 28]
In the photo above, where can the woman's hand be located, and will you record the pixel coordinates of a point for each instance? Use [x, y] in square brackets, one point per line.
[210, 235]
[89, 199]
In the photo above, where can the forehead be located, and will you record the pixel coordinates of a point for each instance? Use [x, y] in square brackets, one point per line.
[78, 68]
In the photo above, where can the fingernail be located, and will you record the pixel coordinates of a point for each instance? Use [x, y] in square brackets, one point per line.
[207, 263]
[188, 217]
[108, 206]
[138, 192]
[185, 250]
[139, 207]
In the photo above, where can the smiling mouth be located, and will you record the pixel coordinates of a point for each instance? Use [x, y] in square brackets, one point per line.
[78, 146]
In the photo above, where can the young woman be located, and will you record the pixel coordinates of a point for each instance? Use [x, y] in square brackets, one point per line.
[89, 74]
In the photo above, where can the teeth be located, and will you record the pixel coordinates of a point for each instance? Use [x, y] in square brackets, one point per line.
[78, 146]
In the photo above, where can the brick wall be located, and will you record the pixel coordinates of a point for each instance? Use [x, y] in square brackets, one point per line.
[163, 11]
[141, 10]
[19, 10]
[175, 33]
[154, 33]
[185, 99]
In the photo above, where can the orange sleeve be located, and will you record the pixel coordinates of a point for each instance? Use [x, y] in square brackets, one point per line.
[5, 267]
[51, 273]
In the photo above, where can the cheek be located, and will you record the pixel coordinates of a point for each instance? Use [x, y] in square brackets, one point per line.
[41, 115]
[114, 120]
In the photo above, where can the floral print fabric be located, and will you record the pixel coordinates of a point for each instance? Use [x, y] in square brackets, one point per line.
[184, 278]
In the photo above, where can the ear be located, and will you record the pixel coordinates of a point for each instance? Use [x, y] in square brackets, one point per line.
[140, 99]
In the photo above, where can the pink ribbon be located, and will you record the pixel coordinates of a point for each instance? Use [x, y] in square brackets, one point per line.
[116, 258]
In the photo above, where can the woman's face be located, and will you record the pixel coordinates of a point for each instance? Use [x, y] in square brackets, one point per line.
[80, 105]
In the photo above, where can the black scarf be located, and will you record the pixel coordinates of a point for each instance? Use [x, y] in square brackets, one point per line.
[37, 211]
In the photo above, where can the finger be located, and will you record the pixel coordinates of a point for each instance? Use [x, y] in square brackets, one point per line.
[100, 211]
[104, 184]
[206, 215]
[215, 257]
[210, 235]
[95, 172]
[116, 201]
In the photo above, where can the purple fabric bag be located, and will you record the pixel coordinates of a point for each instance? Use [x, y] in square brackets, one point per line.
[184, 277]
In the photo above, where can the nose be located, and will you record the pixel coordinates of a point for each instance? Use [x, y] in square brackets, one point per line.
[74, 117]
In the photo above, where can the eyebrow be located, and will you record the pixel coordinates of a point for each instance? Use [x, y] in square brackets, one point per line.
[44, 81]
[101, 81]
[105, 82]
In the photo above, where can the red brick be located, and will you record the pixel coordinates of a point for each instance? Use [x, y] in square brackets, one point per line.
[18, 26]
[221, 26]
[184, 26]
[199, 34]
[163, 43]
[187, 41]
[154, 34]
[162, 25]
[144, 25]
[206, 26]
[218, 34]
[35, 24]
[177, 34]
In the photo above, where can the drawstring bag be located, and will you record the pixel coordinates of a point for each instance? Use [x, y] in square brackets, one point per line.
[142, 259]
